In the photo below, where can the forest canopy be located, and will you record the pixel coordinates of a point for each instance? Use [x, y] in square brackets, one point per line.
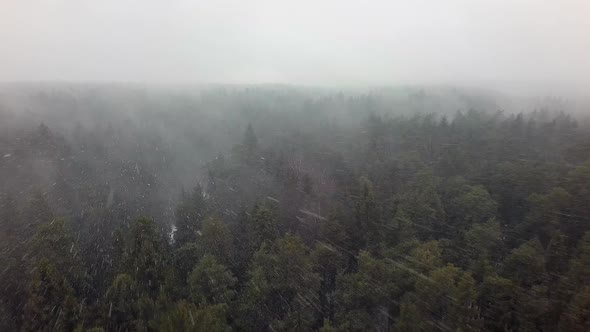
[278, 208]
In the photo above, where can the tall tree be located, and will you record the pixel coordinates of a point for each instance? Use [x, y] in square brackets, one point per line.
[51, 303]
[264, 224]
[448, 298]
[282, 289]
[365, 298]
[526, 264]
[215, 239]
[145, 260]
[211, 282]
[577, 315]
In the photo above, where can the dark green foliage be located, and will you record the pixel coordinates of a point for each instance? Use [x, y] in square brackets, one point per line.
[365, 297]
[120, 301]
[473, 205]
[211, 283]
[329, 263]
[185, 258]
[321, 222]
[215, 239]
[365, 230]
[409, 320]
[187, 317]
[282, 287]
[485, 239]
[144, 257]
[556, 256]
[526, 264]
[264, 225]
[580, 264]
[51, 301]
[448, 297]
[421, 206]
[577, 315]
[498, 300]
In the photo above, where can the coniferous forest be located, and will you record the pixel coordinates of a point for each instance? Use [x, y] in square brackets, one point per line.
[277, 208]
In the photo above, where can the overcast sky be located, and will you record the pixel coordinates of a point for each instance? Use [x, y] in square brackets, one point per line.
[312, 42]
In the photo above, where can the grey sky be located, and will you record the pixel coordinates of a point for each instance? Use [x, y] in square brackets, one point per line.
[311, 42]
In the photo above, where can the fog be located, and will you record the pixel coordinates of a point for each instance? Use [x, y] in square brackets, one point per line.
[305, 166]
[533, 46]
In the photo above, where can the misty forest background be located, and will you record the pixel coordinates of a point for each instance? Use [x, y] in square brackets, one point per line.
[273, 208]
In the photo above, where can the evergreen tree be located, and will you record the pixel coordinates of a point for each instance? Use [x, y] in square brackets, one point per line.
[211, 282]
[145, 257]
[282, 289]
[526, 264]
[498, 300]
[448, 298]
[187, 317]
[264, 225]
[120, 301]
[215, 239]
[577, 315]
[51, 302]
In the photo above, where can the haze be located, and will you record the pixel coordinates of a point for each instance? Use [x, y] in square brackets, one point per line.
[537, 44]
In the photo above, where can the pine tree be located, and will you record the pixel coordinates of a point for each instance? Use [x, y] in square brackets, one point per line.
[145, 260]
[215, 239]
[211, 282]
[51, 303]
[526, 264]
[282, 288]
[264, 224]
[577, 315]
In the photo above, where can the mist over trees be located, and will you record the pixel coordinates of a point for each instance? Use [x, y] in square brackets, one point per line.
[279, 208]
